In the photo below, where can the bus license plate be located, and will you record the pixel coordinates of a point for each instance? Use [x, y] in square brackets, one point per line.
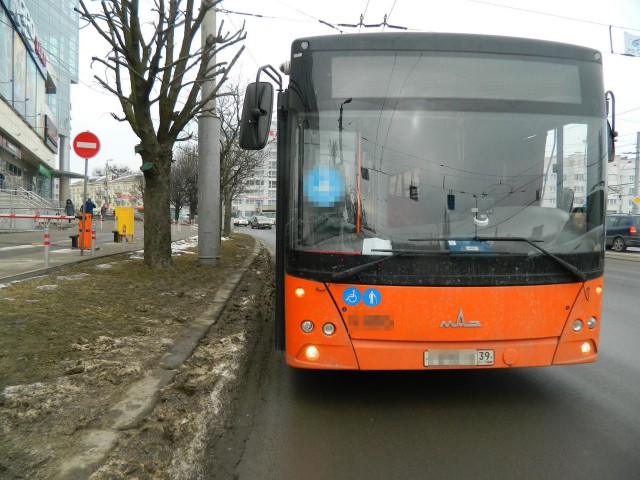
[458, 358]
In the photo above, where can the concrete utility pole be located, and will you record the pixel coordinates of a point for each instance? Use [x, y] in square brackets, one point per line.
[65, 166]
[209, 159]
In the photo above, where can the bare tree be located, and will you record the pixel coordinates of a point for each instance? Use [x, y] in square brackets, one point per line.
[115, 170]
[156, 67]
[236, 165]
[184, 181]
[139, 187]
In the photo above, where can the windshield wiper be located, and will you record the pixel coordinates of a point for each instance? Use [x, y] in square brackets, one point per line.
[349, 272]
[571, 268]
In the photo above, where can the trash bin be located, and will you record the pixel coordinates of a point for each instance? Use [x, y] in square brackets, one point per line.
[116, 236]
[74, 241]
[125, 223]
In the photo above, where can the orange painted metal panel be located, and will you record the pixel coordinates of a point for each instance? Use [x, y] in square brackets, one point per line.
[379, 355]
[390, 327]
[314, 304]
[447, 314]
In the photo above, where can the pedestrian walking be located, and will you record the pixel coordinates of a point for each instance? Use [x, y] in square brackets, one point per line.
[69, 209]
[89, 206]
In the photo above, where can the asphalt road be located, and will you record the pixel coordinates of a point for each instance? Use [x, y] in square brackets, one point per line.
[550, 423]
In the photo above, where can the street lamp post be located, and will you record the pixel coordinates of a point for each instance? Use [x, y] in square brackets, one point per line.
[106, 180]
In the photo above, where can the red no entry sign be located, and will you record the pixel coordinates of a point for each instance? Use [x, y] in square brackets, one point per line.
[86, 145]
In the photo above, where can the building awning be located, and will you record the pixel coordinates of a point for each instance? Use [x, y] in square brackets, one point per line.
[64, 173]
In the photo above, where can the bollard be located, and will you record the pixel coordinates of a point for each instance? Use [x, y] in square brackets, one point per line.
[85, 226]
[47, 244]
[93, 242]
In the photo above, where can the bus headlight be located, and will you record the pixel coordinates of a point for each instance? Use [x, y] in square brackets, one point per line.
[592, 322]
[306, 326]
[312, 352]
[577, 325]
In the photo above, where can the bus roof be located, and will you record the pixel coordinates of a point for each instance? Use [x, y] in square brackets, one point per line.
[454, 42]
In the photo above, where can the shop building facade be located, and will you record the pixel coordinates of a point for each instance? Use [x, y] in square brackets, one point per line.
[32, 97]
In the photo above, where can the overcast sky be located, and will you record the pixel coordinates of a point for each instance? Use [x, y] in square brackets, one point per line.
[272, 25]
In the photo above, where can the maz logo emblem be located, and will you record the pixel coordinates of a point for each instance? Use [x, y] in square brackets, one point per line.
[460, 322]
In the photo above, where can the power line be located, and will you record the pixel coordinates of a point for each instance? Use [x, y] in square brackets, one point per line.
[390, 12]
[256, 15]
[310, 16]
[564, 17]
[627, 111]
[366, 8]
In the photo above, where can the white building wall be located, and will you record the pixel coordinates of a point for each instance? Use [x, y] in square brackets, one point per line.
[621, 181]
[260, 191]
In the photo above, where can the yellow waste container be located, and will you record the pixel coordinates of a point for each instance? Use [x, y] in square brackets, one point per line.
[125, 223]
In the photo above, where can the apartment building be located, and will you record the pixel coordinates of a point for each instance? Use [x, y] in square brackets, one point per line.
[259, 193]
[125, 191]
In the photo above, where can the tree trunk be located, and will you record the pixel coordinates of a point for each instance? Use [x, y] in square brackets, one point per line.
[157, 202]
[226, 221]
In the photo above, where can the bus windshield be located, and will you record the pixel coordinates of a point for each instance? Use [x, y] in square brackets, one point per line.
[438, 151]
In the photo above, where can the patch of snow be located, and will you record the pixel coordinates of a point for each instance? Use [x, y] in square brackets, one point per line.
[75, 276]
[105, 266]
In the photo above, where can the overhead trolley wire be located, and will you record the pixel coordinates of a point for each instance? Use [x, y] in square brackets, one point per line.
[564, 17]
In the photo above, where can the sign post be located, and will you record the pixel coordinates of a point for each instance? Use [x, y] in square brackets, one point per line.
[86, 145]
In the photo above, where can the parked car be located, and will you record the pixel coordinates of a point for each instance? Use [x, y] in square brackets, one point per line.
[622, 231]
[260, 221]
[272, 217]
[241, 222]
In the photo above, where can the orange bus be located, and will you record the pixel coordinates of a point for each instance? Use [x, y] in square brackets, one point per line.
[441, 200]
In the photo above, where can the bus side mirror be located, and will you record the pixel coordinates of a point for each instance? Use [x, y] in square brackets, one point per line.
[610, 100]
[256, 116]
[612, 145]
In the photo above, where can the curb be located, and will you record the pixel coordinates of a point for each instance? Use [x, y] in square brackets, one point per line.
[631, 257]
[47, 270]
[142, 396]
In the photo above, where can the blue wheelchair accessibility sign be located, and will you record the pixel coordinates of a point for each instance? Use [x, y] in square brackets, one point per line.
[351, 296]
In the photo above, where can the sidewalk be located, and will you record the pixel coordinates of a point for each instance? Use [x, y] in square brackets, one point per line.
[22, 254]
[98, 399]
